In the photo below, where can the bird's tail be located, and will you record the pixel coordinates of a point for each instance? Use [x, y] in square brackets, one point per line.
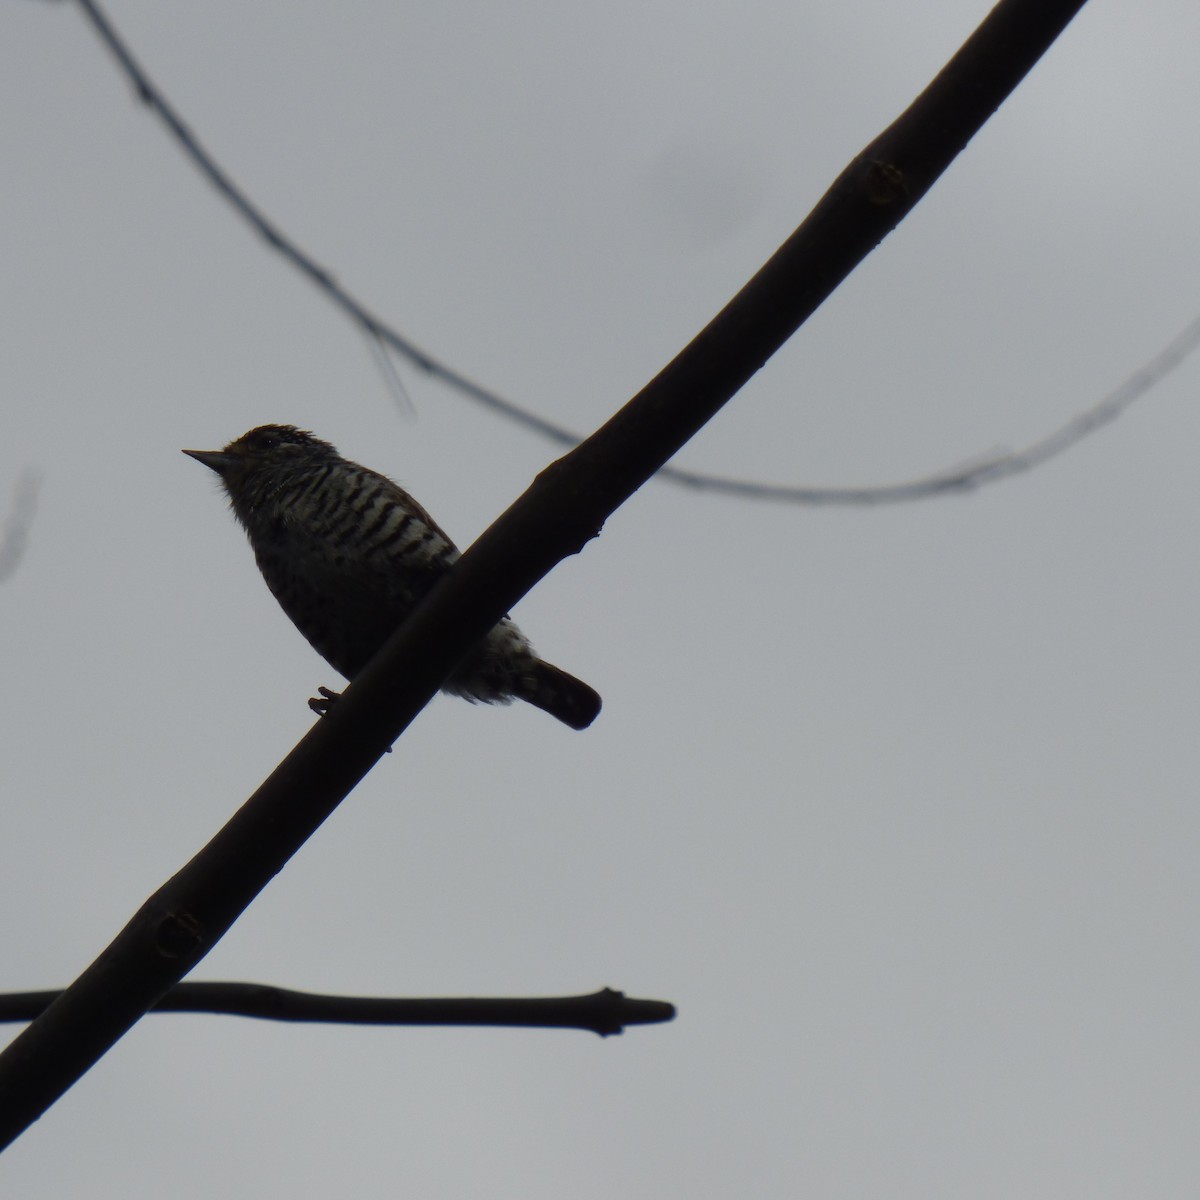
[561, 695]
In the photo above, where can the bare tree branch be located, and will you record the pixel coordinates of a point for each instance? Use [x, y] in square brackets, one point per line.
[988, 468]
[604, 1012]
[374, 326]
[983, 469]
[15, 535]
[564, 507]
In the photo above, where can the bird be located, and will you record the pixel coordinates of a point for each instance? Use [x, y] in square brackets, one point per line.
[348, 554]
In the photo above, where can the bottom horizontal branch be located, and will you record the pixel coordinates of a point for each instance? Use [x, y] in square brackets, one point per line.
[604, 1012]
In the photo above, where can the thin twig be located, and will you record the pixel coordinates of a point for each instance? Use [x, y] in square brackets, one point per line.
[15, 536]
[986, 468]
[382, 355]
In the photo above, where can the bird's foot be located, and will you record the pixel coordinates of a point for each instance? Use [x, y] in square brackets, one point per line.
[321, 705]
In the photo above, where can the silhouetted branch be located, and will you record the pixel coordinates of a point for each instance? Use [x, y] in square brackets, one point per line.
[15, 535]
[604, 1012]
[374, 326]
[983, 469]
[564, 507]
[987, 468]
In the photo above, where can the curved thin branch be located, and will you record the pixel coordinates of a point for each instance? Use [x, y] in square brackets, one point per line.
[374, 326]
[983, 469]
[604, 1012]
[987, 468]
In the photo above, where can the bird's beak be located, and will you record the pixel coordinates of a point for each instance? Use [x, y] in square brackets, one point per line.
[215, 460]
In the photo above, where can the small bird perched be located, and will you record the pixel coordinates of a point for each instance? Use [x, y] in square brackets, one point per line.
[348, 554]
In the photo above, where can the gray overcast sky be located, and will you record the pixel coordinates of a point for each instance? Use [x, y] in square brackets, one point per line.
[897, 805]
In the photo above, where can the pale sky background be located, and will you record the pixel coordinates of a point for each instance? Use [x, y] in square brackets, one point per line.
[897, 805]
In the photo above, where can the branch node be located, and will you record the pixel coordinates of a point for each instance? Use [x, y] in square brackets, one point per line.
[885, 183]
[178, 935]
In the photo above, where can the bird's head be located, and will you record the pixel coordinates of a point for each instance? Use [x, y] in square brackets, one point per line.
[268, 451]
[261, 464]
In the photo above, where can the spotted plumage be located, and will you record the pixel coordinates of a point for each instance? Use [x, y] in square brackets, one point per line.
[348, 553]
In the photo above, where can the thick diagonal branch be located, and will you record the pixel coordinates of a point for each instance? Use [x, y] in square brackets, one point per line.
[566, 505]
